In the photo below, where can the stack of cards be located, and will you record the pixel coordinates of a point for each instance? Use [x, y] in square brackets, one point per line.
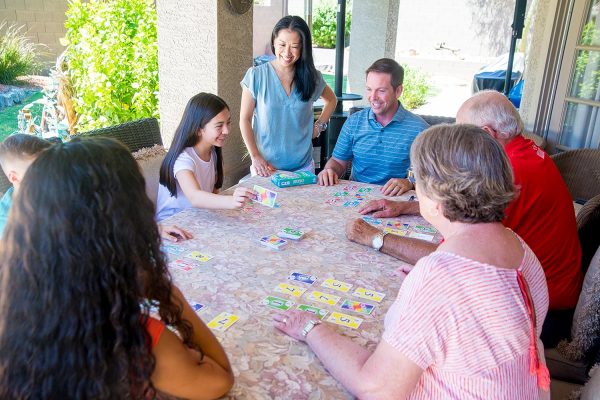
[273, 242]
[291, 233]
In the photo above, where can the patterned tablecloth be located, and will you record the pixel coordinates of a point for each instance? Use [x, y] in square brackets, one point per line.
[268, 364]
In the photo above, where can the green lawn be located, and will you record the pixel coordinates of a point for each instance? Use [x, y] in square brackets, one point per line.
[8, 116]
[330, 80]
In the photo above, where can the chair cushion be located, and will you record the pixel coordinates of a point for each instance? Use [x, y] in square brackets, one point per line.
[150, 159]
[564, 369]
[591, 390]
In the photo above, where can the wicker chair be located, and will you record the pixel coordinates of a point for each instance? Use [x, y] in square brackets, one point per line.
[135, 134]
[588, 230]
[4, 183]
[581, 171]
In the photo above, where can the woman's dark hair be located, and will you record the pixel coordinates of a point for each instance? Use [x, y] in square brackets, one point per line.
[198, 112]
[81, 252]
[305, 75]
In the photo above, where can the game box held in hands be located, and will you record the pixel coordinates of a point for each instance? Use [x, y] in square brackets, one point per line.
[286, 179]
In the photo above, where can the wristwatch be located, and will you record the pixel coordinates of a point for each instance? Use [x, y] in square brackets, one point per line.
[321, 125]
[377, 241]
[309, 326]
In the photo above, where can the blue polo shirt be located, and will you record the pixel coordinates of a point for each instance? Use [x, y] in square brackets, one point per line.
[378, 153]
[5, 204]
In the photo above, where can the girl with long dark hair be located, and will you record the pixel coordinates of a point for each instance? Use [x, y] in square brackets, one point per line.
[276, 115]
[81, 257]
[191, 174]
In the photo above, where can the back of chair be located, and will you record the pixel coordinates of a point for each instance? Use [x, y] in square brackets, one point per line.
[135, 134]
[4, 183]
[581, 171]
[588, 229]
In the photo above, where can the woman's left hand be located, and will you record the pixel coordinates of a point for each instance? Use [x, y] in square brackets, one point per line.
[293, 322]
[174, 233]
[316, 131]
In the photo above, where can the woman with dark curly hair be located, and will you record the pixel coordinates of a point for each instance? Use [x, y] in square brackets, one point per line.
[81, 253]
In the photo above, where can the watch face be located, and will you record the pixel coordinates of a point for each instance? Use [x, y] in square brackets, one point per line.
[377, 242]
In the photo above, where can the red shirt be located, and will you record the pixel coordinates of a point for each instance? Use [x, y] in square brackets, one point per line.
[544, 217]
[154, 328]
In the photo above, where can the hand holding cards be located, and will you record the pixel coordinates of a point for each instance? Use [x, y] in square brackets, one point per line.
[265, 196]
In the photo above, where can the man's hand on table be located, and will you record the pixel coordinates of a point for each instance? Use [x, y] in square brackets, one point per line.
[174, 233]
[361, 232]
[396, 186]
[383, 208]
[292, 323]
[328, 177]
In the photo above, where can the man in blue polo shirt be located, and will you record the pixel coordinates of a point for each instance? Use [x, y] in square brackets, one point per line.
[377, 139]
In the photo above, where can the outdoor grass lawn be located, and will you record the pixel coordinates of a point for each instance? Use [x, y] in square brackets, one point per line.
[8, 116]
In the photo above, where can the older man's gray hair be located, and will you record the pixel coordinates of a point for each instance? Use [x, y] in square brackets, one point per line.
[493, 109]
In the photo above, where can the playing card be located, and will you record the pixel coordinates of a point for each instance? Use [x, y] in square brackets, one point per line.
[351, 186]
[273, 242]
[368, 294]
[291, 233]
[340, 194]
[331, 201]
[304, 278]
[421, 236]
[371, 220]
[393, 231]
[278, 303]
[197, 256]
[222, 321]
[196, 306]
[182, 265]
[326, 298]
[344, 320]
[425, 229]
[397, 225]
[290, 290]
[173, 249]
[352, 203]
[336, 285]
[365, 190]
[265, 196]
[357, 306]
[319, 312]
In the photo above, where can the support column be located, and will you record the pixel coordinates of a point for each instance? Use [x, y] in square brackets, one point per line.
[372, 36]
[203, 46]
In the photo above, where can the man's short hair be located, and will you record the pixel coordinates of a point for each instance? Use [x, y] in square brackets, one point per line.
[388, 66]
[466, 170]
[493, 109]
[22, 145]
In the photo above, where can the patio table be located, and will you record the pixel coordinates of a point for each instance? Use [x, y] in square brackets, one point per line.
[242, 272]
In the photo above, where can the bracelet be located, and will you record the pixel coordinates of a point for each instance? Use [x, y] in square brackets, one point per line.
[309, 326]
[320, 125]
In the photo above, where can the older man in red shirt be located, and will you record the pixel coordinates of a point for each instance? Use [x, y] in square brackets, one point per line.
[542, 214]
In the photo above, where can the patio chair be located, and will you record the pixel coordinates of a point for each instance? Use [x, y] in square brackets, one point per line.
[135, 135]
[581, 171]
[4, 183]
[588, 229]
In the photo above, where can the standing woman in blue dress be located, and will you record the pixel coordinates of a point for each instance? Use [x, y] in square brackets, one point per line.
[276, 115]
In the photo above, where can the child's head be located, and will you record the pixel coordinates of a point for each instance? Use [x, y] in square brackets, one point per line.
[17, 153]
[206, 118]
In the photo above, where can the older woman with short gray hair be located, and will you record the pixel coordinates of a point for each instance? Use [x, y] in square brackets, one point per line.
[467, 319]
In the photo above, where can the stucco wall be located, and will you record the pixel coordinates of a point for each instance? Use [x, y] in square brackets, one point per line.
[479, 28]
[44, 21]
[203, 47]
[537, 54]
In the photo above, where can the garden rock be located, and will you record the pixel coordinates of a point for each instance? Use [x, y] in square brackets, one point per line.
[11, 95]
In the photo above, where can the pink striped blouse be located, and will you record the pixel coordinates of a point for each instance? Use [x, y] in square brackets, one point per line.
[466, 324]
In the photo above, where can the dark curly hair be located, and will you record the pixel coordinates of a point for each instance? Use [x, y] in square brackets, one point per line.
[81, 252]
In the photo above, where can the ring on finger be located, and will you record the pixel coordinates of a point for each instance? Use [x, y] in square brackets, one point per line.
[284, 320]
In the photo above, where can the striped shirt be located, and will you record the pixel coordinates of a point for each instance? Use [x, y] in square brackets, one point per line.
[466, 325]
[378, 153]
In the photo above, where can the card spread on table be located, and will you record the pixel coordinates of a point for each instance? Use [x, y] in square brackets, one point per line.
[345, 320]
[422, 236]
[290, 290]
[291, 233]
[340, 194]
[304, 278]
[278, 303]
[397, 225]
[198, 256]
[319, 312]
[222, 321]
[393, 231]
[357, 306]
[173, 249]
[425, 229]
[351, 203]
[336, 285]
[330, 299]
[265, 196]
[351, 186]
[365, 190]
[196, 306]
[368, 294]
[371, 220]
[182, 265]
[273, 242]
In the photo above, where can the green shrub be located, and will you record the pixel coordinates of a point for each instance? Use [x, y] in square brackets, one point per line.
[112, 61]
[18, 55]
[325, 24]
[416, 88]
